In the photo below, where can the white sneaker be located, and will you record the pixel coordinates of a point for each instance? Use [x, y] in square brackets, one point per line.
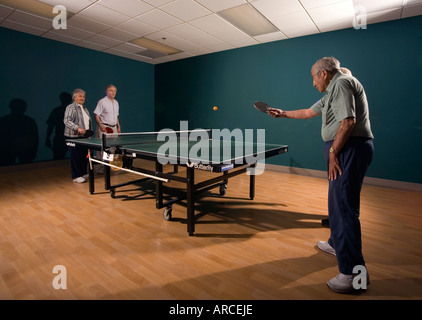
[79, 180]
[342, 283]
[325, 246]
[85, 176]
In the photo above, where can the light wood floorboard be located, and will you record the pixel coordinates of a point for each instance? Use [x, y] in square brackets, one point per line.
[264, 248]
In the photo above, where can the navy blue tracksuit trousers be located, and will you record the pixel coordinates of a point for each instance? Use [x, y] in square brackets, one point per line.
[78, 161]
[344, 201]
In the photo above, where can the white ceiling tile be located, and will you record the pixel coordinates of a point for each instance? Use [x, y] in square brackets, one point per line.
[413, 10]
[185, 10]
[274, 36]
[73, 32]
[54, 35]
[376, 5]
[104, 41]
[244, 42]
[207, 41]
[200, 50]
[219, 28]
[219, 5]
[380, 16]
[118, 34]
[171, 40]
[186, 31]
[292, 20]
[30, 20]
[91, 45]
[22, 27]
[159, 19]
[73, 6]
[137, 27]
[104, 15]
[127, 7]
[87, 24]
[5, 11]
[157, 3]
[333, 17]
[276, 8]
[300, 31]
[310, 4]
[220, 47]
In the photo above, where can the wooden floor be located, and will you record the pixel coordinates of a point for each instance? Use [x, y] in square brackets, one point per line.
[122, 248]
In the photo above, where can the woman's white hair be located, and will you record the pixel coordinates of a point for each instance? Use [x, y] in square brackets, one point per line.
[77, 91]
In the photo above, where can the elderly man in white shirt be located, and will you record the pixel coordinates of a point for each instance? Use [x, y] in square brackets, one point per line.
[107, 112]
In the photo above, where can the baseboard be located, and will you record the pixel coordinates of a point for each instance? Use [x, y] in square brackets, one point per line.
[402, 185]
[35, 166]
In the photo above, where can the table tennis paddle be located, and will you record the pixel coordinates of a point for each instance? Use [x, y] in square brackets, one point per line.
[262, 106]
[88, 133]
[109, 130]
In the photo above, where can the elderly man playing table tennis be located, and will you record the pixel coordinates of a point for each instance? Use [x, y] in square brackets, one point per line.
[348, 151]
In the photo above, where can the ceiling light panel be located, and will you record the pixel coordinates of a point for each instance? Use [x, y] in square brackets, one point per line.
[31, 6]
[248, 19]
[153, 45]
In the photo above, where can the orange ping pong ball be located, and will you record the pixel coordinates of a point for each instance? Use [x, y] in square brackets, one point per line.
[215, 108]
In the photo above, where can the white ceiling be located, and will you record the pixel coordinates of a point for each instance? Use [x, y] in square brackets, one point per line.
[193, 26]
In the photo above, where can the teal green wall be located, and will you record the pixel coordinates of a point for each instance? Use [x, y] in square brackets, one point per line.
[386, 58]
[37, 71]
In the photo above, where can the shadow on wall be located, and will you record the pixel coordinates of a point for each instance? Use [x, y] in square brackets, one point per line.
[19, 135]
[55, 128]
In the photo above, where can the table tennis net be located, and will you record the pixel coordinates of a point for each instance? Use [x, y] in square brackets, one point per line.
[135, 138]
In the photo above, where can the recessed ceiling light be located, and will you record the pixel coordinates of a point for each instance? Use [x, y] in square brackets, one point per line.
[248, 19]
[31, 6]
[155, 46]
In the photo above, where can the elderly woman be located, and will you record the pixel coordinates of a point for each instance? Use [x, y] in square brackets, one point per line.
[77, 120]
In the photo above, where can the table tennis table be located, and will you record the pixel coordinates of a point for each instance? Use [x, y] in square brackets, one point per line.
[193, 149]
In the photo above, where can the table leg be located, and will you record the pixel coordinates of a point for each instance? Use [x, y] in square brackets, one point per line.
[107, 182]
[158, 187]
[91, 175]
[252, 184]
[190, 199]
